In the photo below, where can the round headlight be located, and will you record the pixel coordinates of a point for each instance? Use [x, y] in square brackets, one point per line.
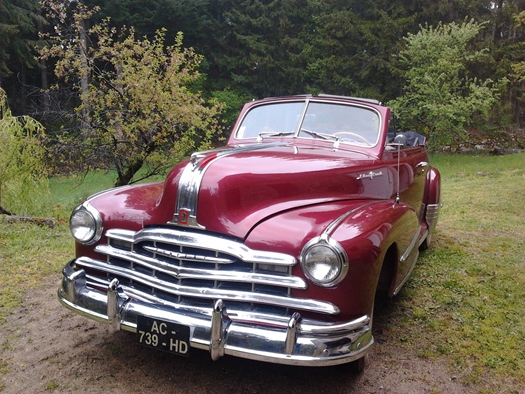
[85, 224]
[324, 261]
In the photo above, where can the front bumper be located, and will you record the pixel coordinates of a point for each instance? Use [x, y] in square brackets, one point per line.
[292, 341]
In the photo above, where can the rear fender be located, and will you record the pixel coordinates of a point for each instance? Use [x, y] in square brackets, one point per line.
[432, 187]
[432, 204]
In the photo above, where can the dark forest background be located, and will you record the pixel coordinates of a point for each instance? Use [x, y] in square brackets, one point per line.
[255, 49]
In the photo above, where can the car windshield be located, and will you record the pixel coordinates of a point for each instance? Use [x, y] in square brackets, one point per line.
[347, 123]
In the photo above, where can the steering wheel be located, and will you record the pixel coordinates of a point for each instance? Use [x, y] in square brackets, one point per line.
[349, 133]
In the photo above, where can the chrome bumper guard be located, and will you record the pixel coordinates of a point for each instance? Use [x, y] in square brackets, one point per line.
[294, 341]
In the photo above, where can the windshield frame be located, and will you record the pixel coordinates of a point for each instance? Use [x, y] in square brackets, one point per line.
[299, 131]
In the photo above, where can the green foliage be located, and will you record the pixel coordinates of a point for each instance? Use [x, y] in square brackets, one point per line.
[518, 69]
[23, 171]
[277, 47]
[137, 109]
[18, 33]
[233, 101]
[350, 52]
[262, 45]
[71, 190]
[442, 97]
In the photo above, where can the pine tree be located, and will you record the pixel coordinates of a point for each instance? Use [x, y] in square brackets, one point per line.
[19, 21]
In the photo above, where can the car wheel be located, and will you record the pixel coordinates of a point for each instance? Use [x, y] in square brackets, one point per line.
[426, 243]
[358, 366]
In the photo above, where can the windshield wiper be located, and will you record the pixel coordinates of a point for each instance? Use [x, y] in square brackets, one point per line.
[315, 134]
[270, 134]
[324, 136]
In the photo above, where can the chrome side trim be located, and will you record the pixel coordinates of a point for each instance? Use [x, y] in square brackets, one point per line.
[333, 225]
[412, 251]
[412, 245]
[191, 178]
[412, 266]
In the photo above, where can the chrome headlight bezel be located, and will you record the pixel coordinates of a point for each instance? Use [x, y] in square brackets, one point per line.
[324, 247]
[85, 224]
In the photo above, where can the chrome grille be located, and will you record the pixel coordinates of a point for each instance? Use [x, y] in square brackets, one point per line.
[188, 268]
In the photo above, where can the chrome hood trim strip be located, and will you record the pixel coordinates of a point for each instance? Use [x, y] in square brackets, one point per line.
[191, 178]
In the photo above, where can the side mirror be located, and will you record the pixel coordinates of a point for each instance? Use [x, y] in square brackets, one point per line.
[401, 139]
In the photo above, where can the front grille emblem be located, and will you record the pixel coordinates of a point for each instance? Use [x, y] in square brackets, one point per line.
[183, 216]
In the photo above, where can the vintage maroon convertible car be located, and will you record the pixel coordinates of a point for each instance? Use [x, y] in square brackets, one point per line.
[271, 248]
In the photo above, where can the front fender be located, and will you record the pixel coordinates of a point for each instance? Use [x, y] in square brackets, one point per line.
[130, 207]
[365, 229]
[367, 234]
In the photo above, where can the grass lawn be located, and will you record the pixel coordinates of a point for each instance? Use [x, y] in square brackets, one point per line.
[465, 301]
[466, 298]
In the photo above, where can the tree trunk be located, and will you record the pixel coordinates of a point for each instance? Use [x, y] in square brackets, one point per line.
[84, 80]
[46, 102]
[125, 177]
[5, 211]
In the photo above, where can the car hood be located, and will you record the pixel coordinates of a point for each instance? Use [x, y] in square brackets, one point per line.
[231, 190]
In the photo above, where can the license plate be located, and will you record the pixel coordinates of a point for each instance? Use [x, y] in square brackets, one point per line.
[163, 335]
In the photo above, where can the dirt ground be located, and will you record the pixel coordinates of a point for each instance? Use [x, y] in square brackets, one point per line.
[46, 348]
